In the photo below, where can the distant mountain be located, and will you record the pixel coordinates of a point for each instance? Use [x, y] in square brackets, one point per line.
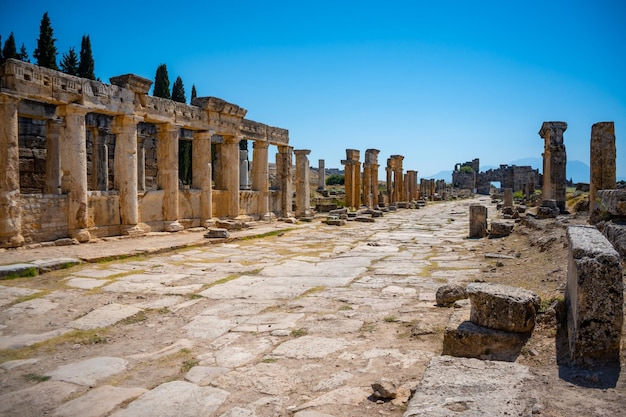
[577, 171]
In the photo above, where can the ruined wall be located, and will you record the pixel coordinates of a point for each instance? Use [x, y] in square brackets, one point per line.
[44, 217]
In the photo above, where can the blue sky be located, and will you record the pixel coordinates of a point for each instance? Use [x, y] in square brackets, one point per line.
[438, 82]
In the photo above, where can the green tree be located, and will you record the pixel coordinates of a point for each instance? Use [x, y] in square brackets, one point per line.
[86, 64]
[193, 92]
[23, 55]
[46, 51]
[161, 83]
[335, 179]
[1, 56]
[178, 91]
[9, 50]
[69, 62]
[467, 169]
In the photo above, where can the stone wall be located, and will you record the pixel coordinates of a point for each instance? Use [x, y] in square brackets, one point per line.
[44, 217]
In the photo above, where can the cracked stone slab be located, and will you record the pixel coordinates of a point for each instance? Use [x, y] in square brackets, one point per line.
[310, 347]
[450, 385]
[16, 402]
[9, 294]
[104, 316]
[268, 322]
[176, 398]
[27, 339]
[37, 306]
[86, 283]
[98, 402]
[89, 371]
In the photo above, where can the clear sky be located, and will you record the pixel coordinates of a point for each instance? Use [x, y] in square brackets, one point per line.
[439, 82]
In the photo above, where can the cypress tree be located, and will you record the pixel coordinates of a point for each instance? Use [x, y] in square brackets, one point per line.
[161, 83]
[1, 55]
[23, 55]
[69, 62]
[86, 65]
[46, 51]
[193, 92]
[9, 50]
[178, 91]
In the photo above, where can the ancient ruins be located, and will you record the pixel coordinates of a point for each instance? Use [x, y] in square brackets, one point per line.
[85, 159]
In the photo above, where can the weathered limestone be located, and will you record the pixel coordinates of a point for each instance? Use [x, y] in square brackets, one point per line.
[370, 178]
[303, 196]
[594, 297]
[412, 187]
[230, 170]
[10, 209]
[74, 168]
[321, 175]
[448, 294]
[352, 182]
[284, 163]
[260, 178]
[167, 179]
[602, 159]
[395, 180]
[478, 221]
[501, 307]
[508, 197]
[500, 228]
[202, 172]
[554, 162]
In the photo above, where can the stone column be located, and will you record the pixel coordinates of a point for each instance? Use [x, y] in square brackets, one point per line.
[352, 183]
[260, 175]
[367, 186]
[243, 170]
[230, 169]
[53, 156]
[201, 169]
[10, 204]
[321, 175]
[73, 149]
[348, 184]
[554, 161]
[508, 197]
[390, 193]
[478, 221]
[602, 160]
[141, 163]
[284, 164]
[371, 166]
[397, 178]
[167, 177]
[125, 165]
[412, 185]
[303, 193]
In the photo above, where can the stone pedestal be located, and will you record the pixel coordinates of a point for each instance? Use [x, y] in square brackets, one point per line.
[303, 195]
[594, 297]
[508, 197]
[478, 221]
[602, 160]
[554, 162]
[74, 167]
[10, 205]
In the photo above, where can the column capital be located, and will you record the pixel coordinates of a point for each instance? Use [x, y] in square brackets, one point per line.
[285, 149]
[260, 144]
[71, 110]
[9, 99]
[124, 121]
[302, 152]
[553, 131]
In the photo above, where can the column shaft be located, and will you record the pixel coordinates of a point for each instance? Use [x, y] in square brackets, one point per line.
[260, 174]
[167, 178]
[303, 195]
[201, 168]
[230, 167]
[125, 165]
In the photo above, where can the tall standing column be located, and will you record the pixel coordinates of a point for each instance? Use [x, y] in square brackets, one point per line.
[390, 193]
[367, 185]
[284, 166]
[53, 156]
[125, 165]
[370, 172]
[303, 195]
[260, 175]
[348, 183]
[321, 175]
[202, 172]
[10, 207]
[602, 160]
[352, 178]
[167, 177]
[73, 149]
[230, 169]
[554, 162]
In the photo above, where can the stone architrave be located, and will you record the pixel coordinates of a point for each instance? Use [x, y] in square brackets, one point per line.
[303, 195]
[10, 209]
[202, 171]
[321, 175]
[602, 160]
[74, 167]
[167, 178]
[594, 296]
[554, 162]
[478, 221]
[125, 164]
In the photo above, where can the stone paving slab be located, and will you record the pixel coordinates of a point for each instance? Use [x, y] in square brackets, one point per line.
[98, 402]
[104, 316]
[89, 371]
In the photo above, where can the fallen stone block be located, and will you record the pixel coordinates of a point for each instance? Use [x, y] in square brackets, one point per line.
[616, 234]
[612, 202]
[594, 296]
[333, 221]
[500, 228]
[448, 294]
[228, 224]
[18, 270]
[462, 338]
[217, 233]
[501, 307]
[364, 219]
[338, 212]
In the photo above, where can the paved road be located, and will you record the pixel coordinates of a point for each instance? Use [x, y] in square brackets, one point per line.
[301, 323]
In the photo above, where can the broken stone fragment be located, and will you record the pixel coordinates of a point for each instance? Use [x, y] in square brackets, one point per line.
[217, 233]
[500, 228]
[450, 293]
[384, 389]
[501, 307]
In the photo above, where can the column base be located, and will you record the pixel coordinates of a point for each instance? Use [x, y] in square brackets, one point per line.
[135, 229]
[12, 242]
[173, 226]
[269, 216]
[82, 235]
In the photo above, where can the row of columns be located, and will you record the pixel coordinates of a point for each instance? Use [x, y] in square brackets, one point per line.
[66, 170]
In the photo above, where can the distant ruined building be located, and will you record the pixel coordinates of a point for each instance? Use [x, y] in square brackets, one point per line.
[518, 178]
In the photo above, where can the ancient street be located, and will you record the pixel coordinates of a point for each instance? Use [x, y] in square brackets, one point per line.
[301, 322]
